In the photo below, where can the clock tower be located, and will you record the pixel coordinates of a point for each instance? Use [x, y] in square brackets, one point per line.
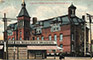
[23, 23]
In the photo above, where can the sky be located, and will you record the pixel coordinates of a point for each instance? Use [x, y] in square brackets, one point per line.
[43, 9]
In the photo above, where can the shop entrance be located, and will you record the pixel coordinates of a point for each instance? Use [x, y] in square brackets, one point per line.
[37, 54]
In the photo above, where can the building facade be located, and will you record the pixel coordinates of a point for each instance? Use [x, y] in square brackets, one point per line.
[66, 30]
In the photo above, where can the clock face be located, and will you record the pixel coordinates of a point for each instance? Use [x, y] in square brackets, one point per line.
[20, 24]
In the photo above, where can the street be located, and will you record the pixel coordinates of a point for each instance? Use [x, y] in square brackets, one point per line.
[71, 58]
[66, 58]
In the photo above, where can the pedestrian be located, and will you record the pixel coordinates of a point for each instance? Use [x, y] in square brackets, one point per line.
[61, 56]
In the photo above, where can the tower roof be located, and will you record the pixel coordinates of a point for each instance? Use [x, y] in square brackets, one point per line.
[23, 11]
[72, 6]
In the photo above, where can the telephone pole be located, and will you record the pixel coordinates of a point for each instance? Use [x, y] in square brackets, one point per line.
[90, 21]
[5, 37]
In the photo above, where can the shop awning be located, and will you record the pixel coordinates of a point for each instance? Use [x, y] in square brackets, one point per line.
[1, 47]
[42, 48]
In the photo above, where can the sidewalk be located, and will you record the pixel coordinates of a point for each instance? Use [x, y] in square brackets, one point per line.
[70, 58]
[66, 58]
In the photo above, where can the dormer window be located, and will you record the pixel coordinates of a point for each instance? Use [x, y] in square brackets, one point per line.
[55, 24]
[55, 27]
[10, 32]
[38, 31]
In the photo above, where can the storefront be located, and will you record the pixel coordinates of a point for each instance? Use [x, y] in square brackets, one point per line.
[1, 51]
[29, 49]
[40, 52]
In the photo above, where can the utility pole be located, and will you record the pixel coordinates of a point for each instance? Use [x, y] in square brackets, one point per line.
[83, 17]
[90, 21]
[14, 43]
[5, 37]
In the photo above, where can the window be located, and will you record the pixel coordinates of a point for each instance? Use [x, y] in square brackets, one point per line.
[42, 38]
[61, 45]
[50, 51]
[37, 38]
[9, 38]
[55, 27]
[72, 48]
[61, 37]
[13, 38]
[49, 37]
[33, 38]
[72, 37]
[20, 38]
[20, 32]
[55, 37]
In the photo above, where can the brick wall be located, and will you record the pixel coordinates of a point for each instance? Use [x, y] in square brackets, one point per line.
[65, 30]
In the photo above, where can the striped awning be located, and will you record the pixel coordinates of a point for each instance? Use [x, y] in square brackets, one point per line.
[42, 48]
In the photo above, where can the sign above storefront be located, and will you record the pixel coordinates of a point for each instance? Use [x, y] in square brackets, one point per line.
[32, 42]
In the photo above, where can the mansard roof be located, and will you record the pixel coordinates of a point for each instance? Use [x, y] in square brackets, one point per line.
[63, 20]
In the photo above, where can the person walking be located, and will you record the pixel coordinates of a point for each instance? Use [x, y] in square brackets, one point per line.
[61, 56]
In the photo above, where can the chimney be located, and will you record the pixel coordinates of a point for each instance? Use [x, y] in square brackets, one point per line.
[34, 20]
[83, 17]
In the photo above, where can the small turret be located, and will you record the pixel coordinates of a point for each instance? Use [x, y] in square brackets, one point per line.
[71, 11]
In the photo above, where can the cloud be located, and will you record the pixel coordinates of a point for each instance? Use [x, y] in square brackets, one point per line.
[45, 12]
[81, 10]
[1, 1]
[10, 11]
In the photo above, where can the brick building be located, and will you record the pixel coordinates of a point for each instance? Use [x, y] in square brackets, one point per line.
[66, 30]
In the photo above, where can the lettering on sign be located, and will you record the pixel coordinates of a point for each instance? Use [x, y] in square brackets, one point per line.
[32, 42]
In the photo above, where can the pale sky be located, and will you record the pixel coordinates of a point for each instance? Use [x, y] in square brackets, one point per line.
[43, 9]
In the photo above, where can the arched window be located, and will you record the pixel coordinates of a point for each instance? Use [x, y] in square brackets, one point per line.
[20, 38]
[55, 37]
[42, 38]
[13, 38]
[50, 37]
[37, 38]
[61, 45]
[61, 37]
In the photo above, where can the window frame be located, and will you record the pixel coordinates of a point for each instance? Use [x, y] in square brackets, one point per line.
[37, 38]
[61, 37]
[55, 37]
[42, 38]
[61, 45]
[50, 37]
